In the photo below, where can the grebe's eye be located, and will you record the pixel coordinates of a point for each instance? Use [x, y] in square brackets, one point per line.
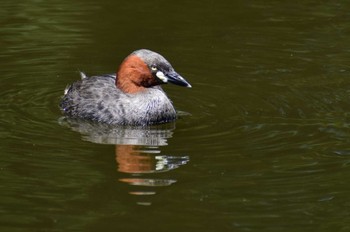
[154, 68]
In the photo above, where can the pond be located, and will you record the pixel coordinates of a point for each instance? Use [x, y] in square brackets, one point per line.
[262, 139]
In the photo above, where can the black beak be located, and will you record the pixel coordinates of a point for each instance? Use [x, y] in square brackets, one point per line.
[175, 78]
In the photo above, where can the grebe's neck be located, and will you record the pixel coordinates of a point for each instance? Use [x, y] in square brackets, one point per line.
[134, 75]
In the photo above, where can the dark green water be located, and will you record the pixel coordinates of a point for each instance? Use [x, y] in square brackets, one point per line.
[265, 147]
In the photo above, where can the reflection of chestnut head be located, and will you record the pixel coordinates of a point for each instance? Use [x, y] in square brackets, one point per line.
[130, 160]
[133, 159]
[142, 161]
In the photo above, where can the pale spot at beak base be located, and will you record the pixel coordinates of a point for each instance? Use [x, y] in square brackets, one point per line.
[161, 76]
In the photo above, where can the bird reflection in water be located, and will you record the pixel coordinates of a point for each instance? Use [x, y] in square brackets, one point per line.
[137, 154]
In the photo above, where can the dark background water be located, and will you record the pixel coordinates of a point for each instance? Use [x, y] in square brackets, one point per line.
[263, 139]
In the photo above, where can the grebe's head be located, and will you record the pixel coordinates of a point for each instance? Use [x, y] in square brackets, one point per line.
[143, 69]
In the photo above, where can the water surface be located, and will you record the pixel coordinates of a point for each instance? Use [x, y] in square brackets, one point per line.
[262, 143]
